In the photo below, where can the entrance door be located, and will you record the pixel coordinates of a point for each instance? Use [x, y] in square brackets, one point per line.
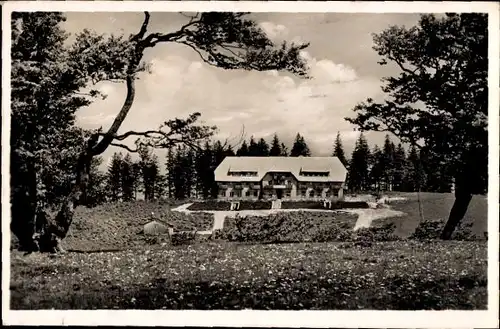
[279, 194]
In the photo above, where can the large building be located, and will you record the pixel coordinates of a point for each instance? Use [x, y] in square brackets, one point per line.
[269, 178]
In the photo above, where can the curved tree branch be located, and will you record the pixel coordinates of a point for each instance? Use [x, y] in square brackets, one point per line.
[109, 136]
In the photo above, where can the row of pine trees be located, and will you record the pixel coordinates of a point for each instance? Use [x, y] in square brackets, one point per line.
[189, 173]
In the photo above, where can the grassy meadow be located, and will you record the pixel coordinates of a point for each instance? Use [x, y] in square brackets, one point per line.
[342, 273]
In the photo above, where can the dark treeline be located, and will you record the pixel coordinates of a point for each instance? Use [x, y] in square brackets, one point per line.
[189, 173]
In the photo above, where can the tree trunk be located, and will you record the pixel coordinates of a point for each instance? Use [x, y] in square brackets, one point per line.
[24, 203]
[463, 197]
[55, 229]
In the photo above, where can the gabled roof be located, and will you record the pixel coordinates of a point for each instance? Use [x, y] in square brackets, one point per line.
[294, 165]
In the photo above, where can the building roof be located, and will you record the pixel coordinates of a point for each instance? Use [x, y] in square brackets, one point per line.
[294, 165]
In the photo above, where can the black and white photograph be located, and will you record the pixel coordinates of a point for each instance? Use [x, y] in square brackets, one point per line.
[216, 156]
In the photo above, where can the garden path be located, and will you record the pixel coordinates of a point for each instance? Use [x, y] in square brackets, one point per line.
[365, 216]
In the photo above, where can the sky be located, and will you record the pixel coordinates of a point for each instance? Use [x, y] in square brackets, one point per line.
[344, 72]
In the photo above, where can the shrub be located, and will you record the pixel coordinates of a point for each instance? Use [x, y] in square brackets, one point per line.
[354, 204]
[215, 205]
[288, 227]
[255, 205]
[183, 238]
[302, 205]
[431, 230]
[374, 233]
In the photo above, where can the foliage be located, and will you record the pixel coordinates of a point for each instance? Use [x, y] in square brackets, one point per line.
[96, 191]
[429, 230]
[338, 150]
[358, 178]
[114, 177]
[440, 99]
[299, 147]
[183, 238]
[289, 227]
[255, 205]
[214, 205]
[128, 179]
[44, 141]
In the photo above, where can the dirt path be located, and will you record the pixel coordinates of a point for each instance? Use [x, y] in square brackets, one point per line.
[365, 216]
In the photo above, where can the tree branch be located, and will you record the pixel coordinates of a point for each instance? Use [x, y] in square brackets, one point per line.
[147, 133]
[123, 146]
[143, 29]
[109, 136]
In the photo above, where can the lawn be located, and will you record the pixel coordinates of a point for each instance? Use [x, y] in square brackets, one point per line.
[436, 207]
[118, 225]
[395, 275]
[346, 270]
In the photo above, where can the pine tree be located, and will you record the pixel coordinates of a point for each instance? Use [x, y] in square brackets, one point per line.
[229, 152]
[178, 174]
[137, 179]
[263, 148]
[150, 171]
[437, 173]
[170, 172]
[243, 150]
[161, 186]
[95, 193]
[376, 171]
[338, 150]
[359, 165]
[388, 163]
[284, 150]
[189, 172]
[399, 168]
[300, 147]
[253, 148]
[114, 177]
[127, 178]
[204, 170]
[414, 173]
[276, 149]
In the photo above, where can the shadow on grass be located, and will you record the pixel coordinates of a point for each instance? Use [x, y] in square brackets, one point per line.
[340, 292]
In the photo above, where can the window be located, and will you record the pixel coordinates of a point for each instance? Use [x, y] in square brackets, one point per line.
[222, 192]
[231, 194]
[315, 173]
[303, 192]
[242, 173]
[255, 193]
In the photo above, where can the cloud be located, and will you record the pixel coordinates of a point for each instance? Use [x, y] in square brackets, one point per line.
[263, 103]
[274, 31]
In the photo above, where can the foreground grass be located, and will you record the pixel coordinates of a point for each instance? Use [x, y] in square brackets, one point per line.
[119, 225]
[387, 275]
[436, 208]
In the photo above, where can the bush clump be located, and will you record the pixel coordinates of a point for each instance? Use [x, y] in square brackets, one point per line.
[431, 230]
[255, 205]
[215, 205]
[183, 238]
[375, 234]
[288, 227]
[302, 205]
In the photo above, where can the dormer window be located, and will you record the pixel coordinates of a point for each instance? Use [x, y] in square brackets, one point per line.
[242, 173]
[310, 173]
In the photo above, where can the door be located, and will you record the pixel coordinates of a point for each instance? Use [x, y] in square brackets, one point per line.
[279, 194]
